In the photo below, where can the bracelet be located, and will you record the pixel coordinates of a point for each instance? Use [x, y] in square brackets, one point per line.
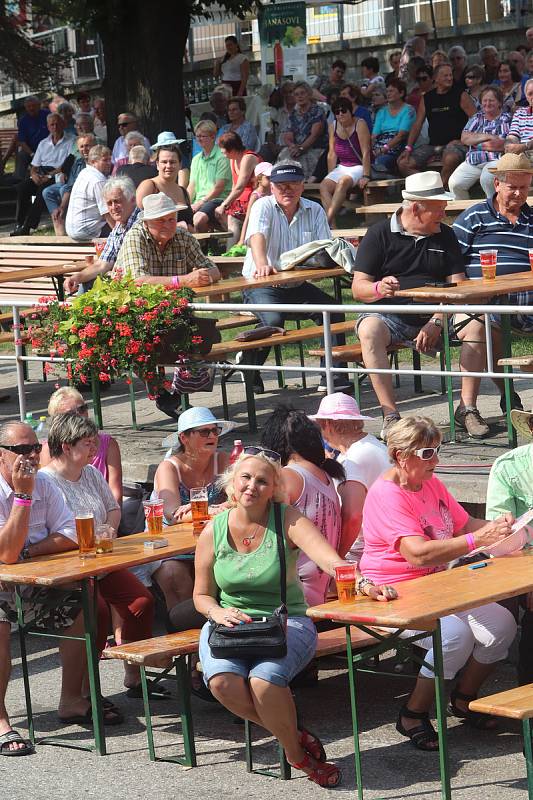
[18, 501]
[175, 282]
[376, 290]
[361, 583]
[385, 148]
[208, 615]
[408, 148]
[471, 542]
[23, 496]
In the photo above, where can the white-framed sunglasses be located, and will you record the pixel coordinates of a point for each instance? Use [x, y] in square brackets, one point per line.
[427, 453]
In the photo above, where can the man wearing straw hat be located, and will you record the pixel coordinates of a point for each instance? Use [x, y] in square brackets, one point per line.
[503, 223]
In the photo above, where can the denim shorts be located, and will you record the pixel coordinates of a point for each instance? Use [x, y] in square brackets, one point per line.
[301, 646]
[522, 323]
[400, 330]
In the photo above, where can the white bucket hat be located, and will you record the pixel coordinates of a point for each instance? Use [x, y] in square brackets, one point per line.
[425, 186]
[165, 139]
[158, 205]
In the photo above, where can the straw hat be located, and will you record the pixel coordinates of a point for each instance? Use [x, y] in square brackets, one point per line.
[338, 406]
[158, 205]
[523, 422]
[512, 162]
[425, 186]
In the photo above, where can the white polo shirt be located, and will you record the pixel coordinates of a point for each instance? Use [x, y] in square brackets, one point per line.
[86, 205]
[49, 154]
[121, 151]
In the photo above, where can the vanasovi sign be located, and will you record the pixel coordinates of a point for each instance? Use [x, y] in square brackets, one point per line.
[282, 33]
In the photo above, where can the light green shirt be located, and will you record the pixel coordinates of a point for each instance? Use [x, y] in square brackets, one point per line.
[207, 170]
[510, 486]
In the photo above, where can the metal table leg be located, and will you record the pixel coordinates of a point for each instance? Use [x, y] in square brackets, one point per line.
[526, 732]
[440, 704]
[24, 661]
[89, 624]
[449, 382]
[508, 383]
[355, 720]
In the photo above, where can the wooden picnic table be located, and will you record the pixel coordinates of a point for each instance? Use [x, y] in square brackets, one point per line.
[54, 571]
[16, 274]
[278, 279]
[453, 206]
[421, 603]
[49, 241]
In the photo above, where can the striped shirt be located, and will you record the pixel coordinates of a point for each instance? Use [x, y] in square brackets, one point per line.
[481, 227]
[308, 224]
[522, 125]
[494, 127]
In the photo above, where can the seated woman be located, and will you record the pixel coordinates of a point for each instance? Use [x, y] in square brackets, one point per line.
[363, 457]
[510, 491]
[227, 594]
[348, 158]
[72, 441]
[391, 127]
[305, 136]
[353, 93]
[168, 162]
[308, 479]
[239, 124]
[232, 210]
[414, 527]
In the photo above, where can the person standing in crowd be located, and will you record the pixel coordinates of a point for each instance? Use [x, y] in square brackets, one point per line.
[210, 181]
[234, 68]
[31, 130]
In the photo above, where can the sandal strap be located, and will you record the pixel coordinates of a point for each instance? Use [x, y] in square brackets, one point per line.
[408, 714]
[455, 694]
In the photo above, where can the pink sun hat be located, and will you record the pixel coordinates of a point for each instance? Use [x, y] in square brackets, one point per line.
[263, 168]
[338, 406]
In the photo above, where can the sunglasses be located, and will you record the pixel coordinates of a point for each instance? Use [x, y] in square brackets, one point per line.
[255, 451]
[342, 111]
[23, 449]
[427, 453]
[470, 77]
[216, 430]
[123, 124]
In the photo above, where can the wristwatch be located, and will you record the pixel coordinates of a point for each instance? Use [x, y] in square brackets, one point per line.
[436, 322]
[25, 554]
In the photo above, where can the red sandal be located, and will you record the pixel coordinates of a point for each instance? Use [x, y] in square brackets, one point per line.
[328, 776]
[312, 745]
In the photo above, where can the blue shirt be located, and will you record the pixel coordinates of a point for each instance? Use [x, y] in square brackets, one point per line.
[32, 130]
[247, 133]
[481, 227]
[77, 167]
[364, 113]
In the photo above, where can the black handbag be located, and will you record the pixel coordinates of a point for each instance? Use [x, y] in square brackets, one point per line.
[261, 638]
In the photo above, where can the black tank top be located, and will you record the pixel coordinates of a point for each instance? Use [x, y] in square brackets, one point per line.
[446, 118]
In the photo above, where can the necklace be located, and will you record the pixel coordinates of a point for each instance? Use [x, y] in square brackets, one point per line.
[247, 541]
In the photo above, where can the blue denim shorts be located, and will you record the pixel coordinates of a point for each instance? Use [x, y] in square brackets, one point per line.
[400, 330]
[301, 646]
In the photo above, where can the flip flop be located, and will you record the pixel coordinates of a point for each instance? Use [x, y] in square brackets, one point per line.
[13, 736]
[111, 714]
[155, 692]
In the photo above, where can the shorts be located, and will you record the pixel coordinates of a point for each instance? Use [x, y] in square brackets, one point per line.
[145, 571]
[424, 152]
[355, 173]
[301, 647]
[208, 208]
[400, 330]
[523, 323]
[43, 608]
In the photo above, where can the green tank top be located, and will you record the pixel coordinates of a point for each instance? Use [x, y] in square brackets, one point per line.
[251, 581]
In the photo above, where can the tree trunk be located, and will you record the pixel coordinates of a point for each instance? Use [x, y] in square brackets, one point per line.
[143, 54]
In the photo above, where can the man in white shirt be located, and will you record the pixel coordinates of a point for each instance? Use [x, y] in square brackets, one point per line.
[45, 164]
[126, 122]
[34, 521]
[87, 208]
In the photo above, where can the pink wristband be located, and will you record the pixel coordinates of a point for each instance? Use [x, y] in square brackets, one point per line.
[408, 148]
[385, 147]
[175, 282]
[376, 290]
[471, 542]
[18, 501]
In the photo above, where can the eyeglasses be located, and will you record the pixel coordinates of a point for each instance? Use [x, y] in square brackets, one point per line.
[216, 430]
[427, 453]
[255, 451]
[342, 111]
[123, 124]
[470, 77]
[23, 449]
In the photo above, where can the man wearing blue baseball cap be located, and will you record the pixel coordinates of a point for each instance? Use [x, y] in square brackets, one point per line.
[278, 223]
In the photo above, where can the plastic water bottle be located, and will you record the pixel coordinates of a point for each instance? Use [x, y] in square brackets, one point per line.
[29, 420]
[238, 447]
[41, 430]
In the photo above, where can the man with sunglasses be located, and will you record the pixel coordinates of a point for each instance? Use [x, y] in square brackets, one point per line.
[34, 521]
[126, 122]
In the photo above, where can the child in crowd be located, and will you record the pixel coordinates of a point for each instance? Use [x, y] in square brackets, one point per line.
[262, 189]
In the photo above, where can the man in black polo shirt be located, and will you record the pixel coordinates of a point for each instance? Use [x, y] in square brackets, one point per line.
[411, 249]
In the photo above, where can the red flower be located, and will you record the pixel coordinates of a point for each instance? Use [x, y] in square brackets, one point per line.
[88, 310]
[103, 376]
[123, 309]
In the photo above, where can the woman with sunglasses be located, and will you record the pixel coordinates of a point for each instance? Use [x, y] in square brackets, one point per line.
[414, 527]
[348, 158]
[238, 577]
[475, 80]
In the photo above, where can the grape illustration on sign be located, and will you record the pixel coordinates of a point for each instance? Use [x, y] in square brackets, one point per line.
[282, 33]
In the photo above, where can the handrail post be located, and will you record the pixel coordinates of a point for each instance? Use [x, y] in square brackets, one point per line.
[17, 340]
[327, 351]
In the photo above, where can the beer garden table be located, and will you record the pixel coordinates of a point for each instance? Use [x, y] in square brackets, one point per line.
[54, 571]
[421, 603]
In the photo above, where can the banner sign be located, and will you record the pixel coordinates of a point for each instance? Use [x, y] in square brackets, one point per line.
[283, 38]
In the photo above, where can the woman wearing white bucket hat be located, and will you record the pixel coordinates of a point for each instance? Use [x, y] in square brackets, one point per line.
[363, 457]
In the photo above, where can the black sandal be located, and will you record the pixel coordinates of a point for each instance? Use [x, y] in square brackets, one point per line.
[421, 736]
[481, 722]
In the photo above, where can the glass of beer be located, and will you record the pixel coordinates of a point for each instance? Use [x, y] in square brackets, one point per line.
[153, 511]
[103, 538]
[345, 580]
[199, 509]
[85, 534]
[488, 260]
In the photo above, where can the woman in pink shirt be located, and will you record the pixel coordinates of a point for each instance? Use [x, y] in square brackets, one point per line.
[413, 527]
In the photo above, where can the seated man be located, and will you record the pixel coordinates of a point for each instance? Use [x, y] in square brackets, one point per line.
[119, 195]
[57, 195]
[280, 222]
[447, 108]
[34, 521]
[45, 164]
[503, 223]
[125, 123]
[139, 168]
[32, 129]
[210, 181]
[411, 249]
[87, 209]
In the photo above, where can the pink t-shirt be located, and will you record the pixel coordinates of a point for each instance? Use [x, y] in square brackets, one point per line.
[390, 513]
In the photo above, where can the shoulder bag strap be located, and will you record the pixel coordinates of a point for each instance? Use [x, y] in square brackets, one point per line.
[281, 552]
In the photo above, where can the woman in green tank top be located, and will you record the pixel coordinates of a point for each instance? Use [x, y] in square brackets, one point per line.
[237, 577]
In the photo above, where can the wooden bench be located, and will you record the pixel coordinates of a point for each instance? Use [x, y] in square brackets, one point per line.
[524, 362]
[513, 704]
[453, 208]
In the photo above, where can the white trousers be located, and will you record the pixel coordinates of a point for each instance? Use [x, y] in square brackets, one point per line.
[466, 175]
[486, 633]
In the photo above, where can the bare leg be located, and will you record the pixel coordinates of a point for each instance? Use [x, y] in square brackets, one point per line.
[327, 189]
[234, 693]
[200, 222]
[375, 338]
[407, 166]
[235, 227]
[73, 670]
[472, 359]
[339, 196]
[5, 672]
[473, 675]
[59, 227]
[276, 710]
[420, 700]
[450, 161]
[175, 581]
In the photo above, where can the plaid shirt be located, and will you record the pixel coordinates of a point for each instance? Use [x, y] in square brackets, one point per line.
[140, 254]
[116, 237]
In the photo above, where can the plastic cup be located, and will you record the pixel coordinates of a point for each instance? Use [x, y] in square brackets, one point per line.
[199, 508]
[103, 539]
[153, 512]
[488, 260]
[345, 580]
[85, 534]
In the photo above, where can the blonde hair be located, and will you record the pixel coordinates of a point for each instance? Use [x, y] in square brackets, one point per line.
[410, 434]
[225, 482]
[343, 427]
[59, 397]
[207, 126]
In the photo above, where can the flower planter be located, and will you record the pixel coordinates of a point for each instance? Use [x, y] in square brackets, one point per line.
[166, 351]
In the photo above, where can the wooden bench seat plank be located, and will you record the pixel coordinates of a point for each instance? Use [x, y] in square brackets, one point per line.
[516, 703]
[311, 332]
[45, 241]
[334, 641]
[150, 651]
[350, 352]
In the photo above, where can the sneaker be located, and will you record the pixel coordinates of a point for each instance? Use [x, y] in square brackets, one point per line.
[388, 421]
[516, 402]
[469, 419]
[339, 385]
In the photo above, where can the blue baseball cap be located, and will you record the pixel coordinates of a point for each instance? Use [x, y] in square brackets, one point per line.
[284, 173]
